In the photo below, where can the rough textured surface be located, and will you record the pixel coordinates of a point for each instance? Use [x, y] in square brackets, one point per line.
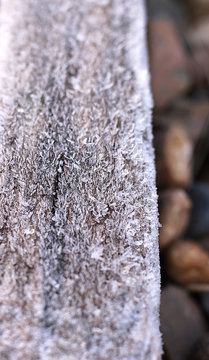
[79, 256]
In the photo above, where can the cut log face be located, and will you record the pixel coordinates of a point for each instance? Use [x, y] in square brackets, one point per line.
[170, 66]
[194, 118]
[79, 251]
[174, 151]
[174, 206]
[188, 263]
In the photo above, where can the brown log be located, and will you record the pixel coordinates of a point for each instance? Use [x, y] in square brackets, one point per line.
[194, 117]
[198, 41]
[187, 263]
[174, 151]
[182, 322]
[174, 207]
[169, 62]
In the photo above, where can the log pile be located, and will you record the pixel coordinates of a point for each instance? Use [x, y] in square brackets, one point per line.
[79, 271]
[179, 54]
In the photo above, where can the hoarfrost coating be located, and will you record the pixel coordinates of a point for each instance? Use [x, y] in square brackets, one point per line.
[78, 222]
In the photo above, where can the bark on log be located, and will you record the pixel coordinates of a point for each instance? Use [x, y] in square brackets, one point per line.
[79, 251]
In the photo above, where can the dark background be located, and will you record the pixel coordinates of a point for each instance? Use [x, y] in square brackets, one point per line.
[178, 40]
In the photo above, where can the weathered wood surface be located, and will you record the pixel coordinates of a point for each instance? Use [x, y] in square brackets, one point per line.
[78, 223]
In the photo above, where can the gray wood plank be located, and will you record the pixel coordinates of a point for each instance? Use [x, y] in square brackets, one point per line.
[78, 223]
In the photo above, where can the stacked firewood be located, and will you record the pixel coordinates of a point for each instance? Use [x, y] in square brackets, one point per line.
[179, 61]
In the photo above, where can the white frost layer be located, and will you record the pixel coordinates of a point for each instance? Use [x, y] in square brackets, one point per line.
[79, 226]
